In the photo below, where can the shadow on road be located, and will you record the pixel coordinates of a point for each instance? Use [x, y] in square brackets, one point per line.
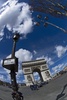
[1, 99]
[61, 94]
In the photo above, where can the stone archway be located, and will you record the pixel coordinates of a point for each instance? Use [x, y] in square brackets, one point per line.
[39, 72]
[39, 66]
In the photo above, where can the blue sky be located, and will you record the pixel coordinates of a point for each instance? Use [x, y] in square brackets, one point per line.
[37, 42]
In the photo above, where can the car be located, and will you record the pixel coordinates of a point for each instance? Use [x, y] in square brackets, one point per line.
[34, 87]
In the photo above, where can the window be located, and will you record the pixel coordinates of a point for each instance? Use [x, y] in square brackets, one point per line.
[26, 70]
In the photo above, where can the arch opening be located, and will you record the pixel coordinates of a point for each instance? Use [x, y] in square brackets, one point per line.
[37, 75]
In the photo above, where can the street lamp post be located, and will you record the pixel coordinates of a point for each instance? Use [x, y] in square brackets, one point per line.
[12, 65]
[12, 73]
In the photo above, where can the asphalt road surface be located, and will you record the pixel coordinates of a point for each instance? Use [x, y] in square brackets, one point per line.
[56, 89]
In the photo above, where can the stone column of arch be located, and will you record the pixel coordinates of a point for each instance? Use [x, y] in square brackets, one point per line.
[38, 65]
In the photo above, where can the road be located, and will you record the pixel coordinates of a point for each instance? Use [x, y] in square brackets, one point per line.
[56, 89]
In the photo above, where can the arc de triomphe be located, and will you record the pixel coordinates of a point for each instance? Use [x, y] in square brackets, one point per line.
[39, 66]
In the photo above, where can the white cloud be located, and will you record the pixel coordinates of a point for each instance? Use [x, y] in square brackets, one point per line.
[21, 81]
[24, 81]
[7, 71]
[19, 73]
[16, 17]
[5, 78]
[2, 77]
[48, 59]
[58, 68]
[36, 76]
[60, 50]
[34, 52]
[24, 55]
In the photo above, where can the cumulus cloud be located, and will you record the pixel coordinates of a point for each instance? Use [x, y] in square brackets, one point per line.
[60, 50]
[15, 17]
[24, 55]
[48, 59]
